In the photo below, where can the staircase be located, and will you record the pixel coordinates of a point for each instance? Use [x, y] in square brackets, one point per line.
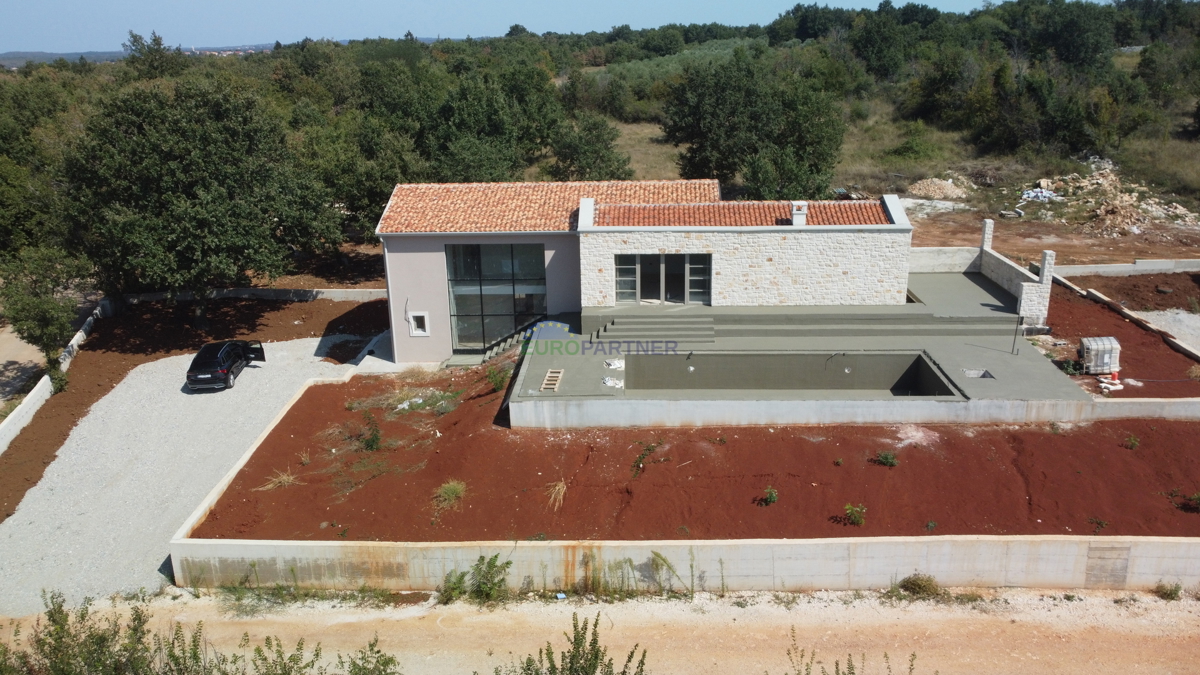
[644, 328]
[864, 325]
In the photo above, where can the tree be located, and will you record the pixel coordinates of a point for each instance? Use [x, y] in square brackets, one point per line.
[799, 160]
[190, 187]
[879, 40]
[39, 302]
[516, 30]
[586, 150]
[719, 112]
[150, 60]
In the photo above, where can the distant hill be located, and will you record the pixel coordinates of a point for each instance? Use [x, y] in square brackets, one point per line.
[18, 59]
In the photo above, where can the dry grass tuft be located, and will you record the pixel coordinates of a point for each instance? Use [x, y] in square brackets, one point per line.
[280, 479]
[449, 495]
[556, 492]
[1194, 372]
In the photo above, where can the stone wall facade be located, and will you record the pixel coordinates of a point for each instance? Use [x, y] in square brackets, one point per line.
[1032, 292]
[763, 269]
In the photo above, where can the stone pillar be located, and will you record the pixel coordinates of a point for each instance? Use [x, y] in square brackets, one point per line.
[1046, 275]
[989, 226]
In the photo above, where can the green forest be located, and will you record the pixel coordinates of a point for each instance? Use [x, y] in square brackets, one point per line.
[171, 172]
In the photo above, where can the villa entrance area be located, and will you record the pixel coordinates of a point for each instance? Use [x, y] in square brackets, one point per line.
[664, 279]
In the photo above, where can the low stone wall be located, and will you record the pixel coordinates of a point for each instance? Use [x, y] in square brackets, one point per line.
[938, 259]
[1032, 293]
[734, 565]
[627, 412]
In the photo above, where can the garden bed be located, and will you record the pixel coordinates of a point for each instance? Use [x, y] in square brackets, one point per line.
[319, 475]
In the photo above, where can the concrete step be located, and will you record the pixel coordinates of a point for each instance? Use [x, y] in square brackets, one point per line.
[861, 330]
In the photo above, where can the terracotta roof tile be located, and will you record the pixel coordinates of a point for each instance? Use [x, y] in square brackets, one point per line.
[867, 212]
[719, 214]
[523, 207]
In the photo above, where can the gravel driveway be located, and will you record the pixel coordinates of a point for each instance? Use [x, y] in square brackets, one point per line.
[131, 472]
[1185, 326]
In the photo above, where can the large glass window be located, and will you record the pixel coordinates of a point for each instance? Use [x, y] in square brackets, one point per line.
[664, 279]
[495, 290]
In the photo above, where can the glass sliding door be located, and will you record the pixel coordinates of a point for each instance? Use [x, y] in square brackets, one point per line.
[664, 279]
[495, 290]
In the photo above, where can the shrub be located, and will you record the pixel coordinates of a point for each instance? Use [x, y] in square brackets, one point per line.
[372, 436]
[884, 458]
[58, 379]
[498, 378]
[488, 580]
[1132, 442]
[856, 515]
[1168, 592]
[921, 586]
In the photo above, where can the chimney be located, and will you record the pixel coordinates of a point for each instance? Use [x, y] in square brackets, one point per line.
[799, 213]
[587, 213]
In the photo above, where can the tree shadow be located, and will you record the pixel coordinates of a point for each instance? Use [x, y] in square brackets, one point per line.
[352, 265]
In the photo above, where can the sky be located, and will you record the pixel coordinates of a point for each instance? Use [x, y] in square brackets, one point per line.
[88, 25]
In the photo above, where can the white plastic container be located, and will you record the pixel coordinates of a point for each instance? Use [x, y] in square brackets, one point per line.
[1100, 355]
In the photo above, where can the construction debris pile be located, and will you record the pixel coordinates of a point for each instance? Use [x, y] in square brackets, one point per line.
[1116, 209]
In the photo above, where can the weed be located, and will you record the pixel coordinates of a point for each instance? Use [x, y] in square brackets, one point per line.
[498, 378]
[1070, 366]
[1132, 442]
[741, 603]
[305, 460]
[930, 525]
[719, 440]
[343, 533]
[884, 458]
[1194, 372]
[279, 479]
[372, 437]
[556, 492]
[1126, 600]
[639, 463]
[1168, 592]
[856, 515]
[1194, 305]
[1055, 428]
[584, 656]
[1100, 524]
[448, 495]
[921, 586]
[1071, 597]
[453, 587]
[785, 600]
[837, 462]
[683, 530]
[658, 565]
[771, 496]
[445, 407]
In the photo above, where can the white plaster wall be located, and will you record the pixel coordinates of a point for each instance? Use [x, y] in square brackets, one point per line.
[805, 267]
[930, 260]
[416, 278]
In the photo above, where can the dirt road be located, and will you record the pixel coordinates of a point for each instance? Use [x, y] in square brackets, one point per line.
[1013, 631]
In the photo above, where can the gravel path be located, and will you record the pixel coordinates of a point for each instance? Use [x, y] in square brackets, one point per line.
[1185, 326]
[131, 471]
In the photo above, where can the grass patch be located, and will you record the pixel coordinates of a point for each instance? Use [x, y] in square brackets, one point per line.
[278, 480]
[650, 156]
[248, 598]
[449, 495]
[405, 399]
[498, 378]
[917, 587]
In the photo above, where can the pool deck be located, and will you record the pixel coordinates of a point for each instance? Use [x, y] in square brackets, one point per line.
[963, 322]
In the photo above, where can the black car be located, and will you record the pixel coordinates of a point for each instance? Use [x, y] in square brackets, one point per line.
[218, 364]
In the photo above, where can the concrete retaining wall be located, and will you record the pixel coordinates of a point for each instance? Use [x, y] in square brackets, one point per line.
[627, 412]
[935, 259]
[23, 414]
[292, 294]
[736, 565]
[1124, 270]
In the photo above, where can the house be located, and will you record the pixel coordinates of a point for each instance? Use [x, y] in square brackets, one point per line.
[468, 265]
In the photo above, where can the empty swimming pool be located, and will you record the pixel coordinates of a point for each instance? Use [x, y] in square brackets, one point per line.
[823, 375]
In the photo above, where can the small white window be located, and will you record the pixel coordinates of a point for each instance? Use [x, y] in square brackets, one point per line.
[418, 324]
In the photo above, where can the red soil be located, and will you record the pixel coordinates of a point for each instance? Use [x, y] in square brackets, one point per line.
[699, 483]
[1141, 292]
[1144, 355]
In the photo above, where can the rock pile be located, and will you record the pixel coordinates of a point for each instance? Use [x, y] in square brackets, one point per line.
[935, 188]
